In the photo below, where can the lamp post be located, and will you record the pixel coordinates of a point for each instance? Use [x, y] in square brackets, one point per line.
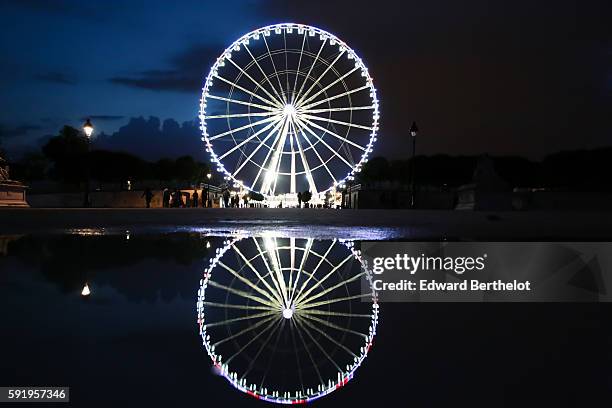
[413, 132]
[208, 176]
[88, 130]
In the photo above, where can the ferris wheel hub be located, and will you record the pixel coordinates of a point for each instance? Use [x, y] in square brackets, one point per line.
[289, 110]
[288, 312]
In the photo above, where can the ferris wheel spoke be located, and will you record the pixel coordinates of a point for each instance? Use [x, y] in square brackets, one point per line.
[240, 319]
[297, 359]
[239, 102]
[275, 256]
[305, 254]
[324, 110]
[321, 128]
[316, 342]
[278, 164]
[249, 283]
[243, 89]
[331, 149]
[277, 74]
[243, 331]
[309, 300]
[242, 115]
[297, 72]
[327, 336]
[258, 335]
[272, 274]
[338, 122]
[333, 325]
[250, 125]
[242, 293]
[248, 139]
[232, 306]
[317, 154]
[311, 275]
[291, 267]
[335, 300]
[286, 66]
[314, 364]
[261, 278]
[309, 312]
[275, 129]
[314, 62]
[320, 77]
[253, 80]
[263, 164]
[265, 374]
[311, 182]
[261, 348]
[320, 91]
[331, 98]
[304, 295]
[272, 171]
[279, 99]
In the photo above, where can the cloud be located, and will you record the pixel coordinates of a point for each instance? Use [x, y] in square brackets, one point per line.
[186, 72]
[6, 132]
[153, 139]
[56, 78]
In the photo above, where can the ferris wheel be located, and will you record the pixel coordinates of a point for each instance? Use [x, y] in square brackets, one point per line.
[288, 108]
[287, 320]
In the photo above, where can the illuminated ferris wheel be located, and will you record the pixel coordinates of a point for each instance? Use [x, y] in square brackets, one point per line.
[289, 108]
[287, 320]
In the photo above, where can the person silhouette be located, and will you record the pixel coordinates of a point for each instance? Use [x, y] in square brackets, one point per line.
[194, 198]
[148, 196]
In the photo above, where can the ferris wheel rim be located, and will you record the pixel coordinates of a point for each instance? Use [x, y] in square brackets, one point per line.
[304, 104]
[225, 371]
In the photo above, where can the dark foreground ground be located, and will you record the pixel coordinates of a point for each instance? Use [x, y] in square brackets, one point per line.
[415, 224]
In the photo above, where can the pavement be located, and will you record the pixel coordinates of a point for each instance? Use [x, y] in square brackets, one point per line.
[322, 223]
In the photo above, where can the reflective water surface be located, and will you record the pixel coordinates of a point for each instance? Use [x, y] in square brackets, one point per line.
[215, 318]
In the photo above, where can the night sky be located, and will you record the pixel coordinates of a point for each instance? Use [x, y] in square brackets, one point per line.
[503, 77]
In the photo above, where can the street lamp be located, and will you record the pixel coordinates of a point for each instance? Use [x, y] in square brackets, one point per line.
[85, 291]
[88, 130]
[413, 132]
[208, 177]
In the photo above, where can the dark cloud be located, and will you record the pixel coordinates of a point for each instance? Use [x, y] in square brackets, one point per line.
[6, 132]
[56, 77]
[153, 139]
[103, 117]
[184, 75]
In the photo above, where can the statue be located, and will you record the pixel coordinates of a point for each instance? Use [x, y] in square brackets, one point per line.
[4, 170]
[12, 193]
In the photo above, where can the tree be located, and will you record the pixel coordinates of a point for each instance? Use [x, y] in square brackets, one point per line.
[255, 196]
[306, 196]
[118, 166]
[68, 152]
[187, 169]
[32, 166]
[375, 169]
[164, 169]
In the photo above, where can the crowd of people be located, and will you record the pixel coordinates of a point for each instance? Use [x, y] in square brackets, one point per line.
[176, 198]
[183, 199]
[179, 199]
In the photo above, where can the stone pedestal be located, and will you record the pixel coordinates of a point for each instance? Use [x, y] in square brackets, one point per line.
[487, 191]
[12, 194]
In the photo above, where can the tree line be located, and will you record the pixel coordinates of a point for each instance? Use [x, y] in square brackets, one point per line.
[577, 170]
[67, 158]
